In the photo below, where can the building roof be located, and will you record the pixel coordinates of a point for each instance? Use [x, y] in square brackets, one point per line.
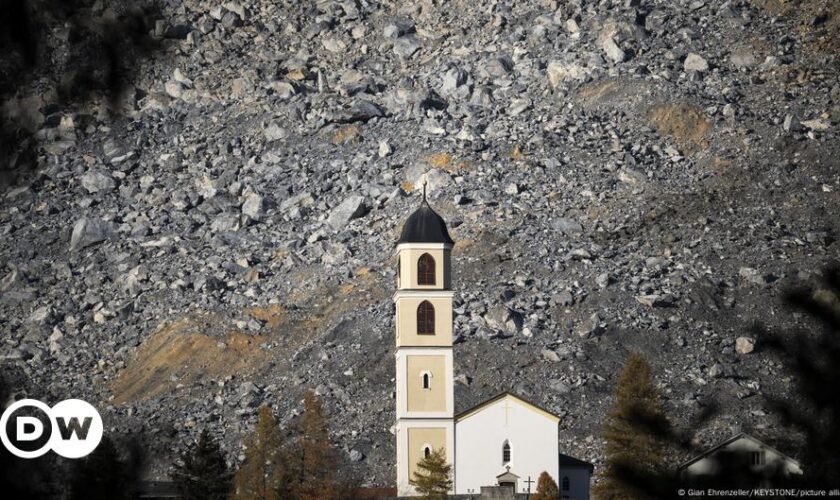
[567, 462]
[736, 437]
[475, 409]
[507, 476]
[424, 226]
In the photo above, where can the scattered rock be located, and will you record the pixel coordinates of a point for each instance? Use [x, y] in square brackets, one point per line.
[89, 231]
[351, 208]
[96, 181]
[744, 345]
[694, 62]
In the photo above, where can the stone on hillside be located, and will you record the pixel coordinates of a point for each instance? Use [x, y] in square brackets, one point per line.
[816, 124]
[452, 80]
[407, 46]
[743, 59]
[502, 318]
[356, 456]
[560, 72]
[655, 300]
[349, 209]
[274, 132]
[398, 28]
[385, 149]
[95, 181]
[89, 231]
[613, 51]
[603, 280]
[591, 327]
[744, 345]
[231, 20]
[752, 275]
[564, 298]
[567, 226]
[694, 62]
[43, 315]
[174, 89]
[254, 206]
[550, 355]
[558, 385]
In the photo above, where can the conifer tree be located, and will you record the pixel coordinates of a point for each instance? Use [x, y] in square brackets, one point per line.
[546, 488]
[433, 479]
[260, 477]
[633, 451]
[102, 475]
[202, 473]
[312, 457]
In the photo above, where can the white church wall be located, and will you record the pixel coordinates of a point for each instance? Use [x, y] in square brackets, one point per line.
[479, 438]
[579, 479]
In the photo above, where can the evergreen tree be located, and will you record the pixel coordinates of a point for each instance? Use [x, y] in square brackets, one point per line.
[102, 475]
[546, 488]
[312, 457]
[202, 473]
[433, 479]
[260, 476]
[633, 451]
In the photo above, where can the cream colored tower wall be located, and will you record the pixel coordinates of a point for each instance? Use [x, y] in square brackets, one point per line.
[412, 436]
[433, 397]
[409, 255]
[407, 303]
[412, 400]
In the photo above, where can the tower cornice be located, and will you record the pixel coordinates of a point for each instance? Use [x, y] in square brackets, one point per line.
[416, 293]
[422, 246]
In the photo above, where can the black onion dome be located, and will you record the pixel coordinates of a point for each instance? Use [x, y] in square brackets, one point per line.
[425, 226]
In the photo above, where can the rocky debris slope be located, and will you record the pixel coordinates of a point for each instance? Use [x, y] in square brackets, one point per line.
[618, 175]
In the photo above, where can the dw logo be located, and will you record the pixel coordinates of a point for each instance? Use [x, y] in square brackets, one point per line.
[71, 428]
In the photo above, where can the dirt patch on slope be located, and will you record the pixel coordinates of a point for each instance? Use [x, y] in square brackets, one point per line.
[686, 123]
[182, 352]
[178, 354]
[817, 21]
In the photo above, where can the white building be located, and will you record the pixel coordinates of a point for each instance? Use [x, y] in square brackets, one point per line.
[504, 441]
[742, 455]
[504, 434]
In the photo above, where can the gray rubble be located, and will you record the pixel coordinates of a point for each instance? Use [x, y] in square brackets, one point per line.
[619, 176]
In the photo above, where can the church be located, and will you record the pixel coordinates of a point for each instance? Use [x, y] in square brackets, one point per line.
[506, 441]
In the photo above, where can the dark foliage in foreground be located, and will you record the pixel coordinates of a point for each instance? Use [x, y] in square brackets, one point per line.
[79, 48]
[811, 409]
[202, 473]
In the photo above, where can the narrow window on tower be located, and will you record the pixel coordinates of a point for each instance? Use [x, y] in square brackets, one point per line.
[426, 382]
[506, 453]
[426, 270]
[426, 318]
[427, 450]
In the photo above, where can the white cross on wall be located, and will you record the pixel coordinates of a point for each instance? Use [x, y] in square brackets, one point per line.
[507, 407]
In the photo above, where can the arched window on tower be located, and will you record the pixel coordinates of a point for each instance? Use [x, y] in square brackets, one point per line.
[565, 483]
[427, 450]
[426, 318]
[506, 453]
[426, 270]
[427, 383]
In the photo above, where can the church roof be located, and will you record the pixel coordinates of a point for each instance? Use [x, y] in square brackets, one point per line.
[424, 226]
[502, 395]
[507, 476]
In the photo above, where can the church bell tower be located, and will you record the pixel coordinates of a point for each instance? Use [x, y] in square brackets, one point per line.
[425, 402]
